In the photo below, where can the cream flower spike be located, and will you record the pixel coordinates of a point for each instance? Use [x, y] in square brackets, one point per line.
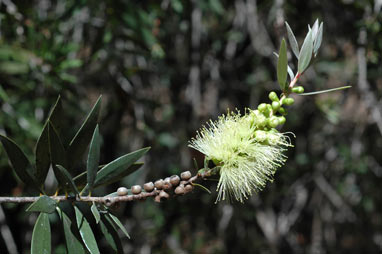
[247, 153]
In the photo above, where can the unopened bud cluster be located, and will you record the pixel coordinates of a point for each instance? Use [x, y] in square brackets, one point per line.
[162, 187]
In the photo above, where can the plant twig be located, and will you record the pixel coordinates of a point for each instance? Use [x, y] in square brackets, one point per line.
[114, 198]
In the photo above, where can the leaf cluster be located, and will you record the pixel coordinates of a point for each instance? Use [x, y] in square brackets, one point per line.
[64, 159]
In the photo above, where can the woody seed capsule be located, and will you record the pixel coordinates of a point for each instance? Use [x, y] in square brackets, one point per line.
[163, 194]
[122, 191]
[185, 175]
[136, 189]
[167, 185]
[148, 186]
[157, 199]
[179, 190]
[159, 184]
[174, 180]
[188, 188]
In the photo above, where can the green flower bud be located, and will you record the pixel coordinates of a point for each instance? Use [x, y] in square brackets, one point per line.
[273, 122]
[298, 89]
[257, 119]
[288, 101]
[282, 119]
[282, 111]
[262, 107]
[268, 110]
[275, 105]
[273, 96]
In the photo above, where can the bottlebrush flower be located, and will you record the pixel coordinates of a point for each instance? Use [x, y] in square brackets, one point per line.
[247, 153]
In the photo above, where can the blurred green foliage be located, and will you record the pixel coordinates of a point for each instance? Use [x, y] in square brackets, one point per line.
[164, 68]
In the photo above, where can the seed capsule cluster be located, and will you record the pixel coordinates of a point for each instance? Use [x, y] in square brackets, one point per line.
[162, 187]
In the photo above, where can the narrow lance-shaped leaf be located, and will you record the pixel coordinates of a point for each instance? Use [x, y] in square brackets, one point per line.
[95, 212]
[42, 156]
[80, 142]
[326, 91]
[93, 158]
[68, 183]
[292, 40]
[80, 179]
[116, 167]
[290, 71]
[57, 116]
[19, 161]
[118, 223]
[282, 66]
[42, 147]
[43, 204]
[315, 29]
[73, 244]
[41, 237]
[110, 232]
[318, 40]
[58, 156]
[86, 232]
[305, 53]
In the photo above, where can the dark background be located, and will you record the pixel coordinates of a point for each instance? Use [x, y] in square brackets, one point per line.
[166, 67]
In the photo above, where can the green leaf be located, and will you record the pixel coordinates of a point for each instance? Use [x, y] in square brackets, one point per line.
[68, 183]
[42, 156]
[111, 235]
[318, 40]
[81, 178]
[73, 244]
[326, 91]
[57, 156]
[86, 232]
[305, 53]
[41, 237]
[118, 223]
[117, 167]
[292, 40]
[118, 174]
[95, 212]
[44, 204]
[93, 158]
[290, 71]
[315, 30]
[80, 142]
[19, 161]
[57, 117]
[43, 160]
[282, 66]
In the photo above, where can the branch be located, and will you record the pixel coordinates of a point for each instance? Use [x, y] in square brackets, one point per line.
[162, 190]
